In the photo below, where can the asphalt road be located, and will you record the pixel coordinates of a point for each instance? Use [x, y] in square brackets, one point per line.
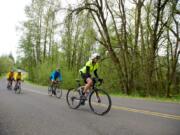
[35, 113]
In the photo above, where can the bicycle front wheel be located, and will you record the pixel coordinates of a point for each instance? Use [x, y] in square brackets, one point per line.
[18, 90]
[100, 102]
[73, 98]
[50, 91]
[58, 93]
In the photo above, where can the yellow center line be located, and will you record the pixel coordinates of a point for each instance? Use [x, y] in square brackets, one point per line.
[164, 115]
[169, 116]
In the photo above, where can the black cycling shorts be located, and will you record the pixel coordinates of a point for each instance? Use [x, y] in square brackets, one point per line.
[85, 76]
[10, 79]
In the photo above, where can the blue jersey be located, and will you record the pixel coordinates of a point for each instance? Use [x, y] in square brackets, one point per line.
[55, 75]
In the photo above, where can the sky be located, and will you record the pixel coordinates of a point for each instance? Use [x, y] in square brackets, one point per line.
[11, 14]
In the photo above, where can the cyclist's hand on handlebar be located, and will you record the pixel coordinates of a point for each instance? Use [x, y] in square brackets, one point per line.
[57, 81]
[100, 80]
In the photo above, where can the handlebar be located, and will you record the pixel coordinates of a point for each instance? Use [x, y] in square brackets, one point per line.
[98, 80]
[56, 82]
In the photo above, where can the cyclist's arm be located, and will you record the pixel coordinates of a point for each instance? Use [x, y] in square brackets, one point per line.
[88, 71]
[95, 73]
[53, 76]
[60, 77]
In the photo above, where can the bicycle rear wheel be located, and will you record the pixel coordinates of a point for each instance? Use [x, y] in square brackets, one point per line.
[102, 105]
[73, 98]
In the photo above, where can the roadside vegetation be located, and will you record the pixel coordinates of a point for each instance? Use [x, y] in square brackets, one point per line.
[6, 64]
[138, 41]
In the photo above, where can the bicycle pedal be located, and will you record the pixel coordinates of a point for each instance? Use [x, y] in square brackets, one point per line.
[82, 102]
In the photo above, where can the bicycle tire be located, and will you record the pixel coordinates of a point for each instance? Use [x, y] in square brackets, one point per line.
[70, 99]
[9, 87]
[50, 91]
[58, 93]
[106, 105]
[18, 90]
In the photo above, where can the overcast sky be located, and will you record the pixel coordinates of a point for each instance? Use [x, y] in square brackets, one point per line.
[11, 14]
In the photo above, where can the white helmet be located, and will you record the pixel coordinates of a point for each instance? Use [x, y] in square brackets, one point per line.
[95, 55]
[19, 71]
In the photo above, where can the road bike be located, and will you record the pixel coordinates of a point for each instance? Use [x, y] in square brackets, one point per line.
[9, 85]
[99, 100]
[54, 90]
[17, 87]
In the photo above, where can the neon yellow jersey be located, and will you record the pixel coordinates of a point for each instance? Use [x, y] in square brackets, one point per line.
[17, 76]
[92, 67]
[10, 75]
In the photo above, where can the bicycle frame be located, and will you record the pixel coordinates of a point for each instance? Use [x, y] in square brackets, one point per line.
[93, 88]
[75, 98]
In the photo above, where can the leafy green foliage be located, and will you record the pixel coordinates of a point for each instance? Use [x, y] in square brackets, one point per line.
[130, 43]
[6, 64]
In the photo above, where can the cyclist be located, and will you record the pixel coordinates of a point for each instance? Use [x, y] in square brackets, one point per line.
[10, 78]
[90, 67]
[54, 77]
[18, 78]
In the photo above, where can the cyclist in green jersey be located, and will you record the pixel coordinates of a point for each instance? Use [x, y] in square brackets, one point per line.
[90, 67]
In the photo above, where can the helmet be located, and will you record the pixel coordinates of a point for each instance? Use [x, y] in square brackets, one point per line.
[12, 70]
[19, 71]
[95, 55]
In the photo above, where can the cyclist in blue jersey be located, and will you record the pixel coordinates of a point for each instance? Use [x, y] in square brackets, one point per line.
[55, 77]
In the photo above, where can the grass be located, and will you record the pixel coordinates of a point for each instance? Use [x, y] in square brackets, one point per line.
[1, 76]
[35, 84]
[173, 99]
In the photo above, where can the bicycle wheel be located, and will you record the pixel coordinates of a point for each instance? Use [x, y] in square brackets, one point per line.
[9, 87]
[58, 93]
[102, 105]
[73, 98]
[18, 90]
[50, 91]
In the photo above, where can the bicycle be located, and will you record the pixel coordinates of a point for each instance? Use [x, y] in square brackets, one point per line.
[53, 90]
[17, 87]
[9, 85]
[99, 100]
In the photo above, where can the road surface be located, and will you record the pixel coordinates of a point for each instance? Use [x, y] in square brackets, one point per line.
[35, 113]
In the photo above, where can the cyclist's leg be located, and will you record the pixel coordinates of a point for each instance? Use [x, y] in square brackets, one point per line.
[88, 85]
[19, 82]
[88, 82]
[55, 85]
[52, 87]
[16, 82]
[98, 98]
[11, 81]
[15, 86]
[97, 94]
[8, 82]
